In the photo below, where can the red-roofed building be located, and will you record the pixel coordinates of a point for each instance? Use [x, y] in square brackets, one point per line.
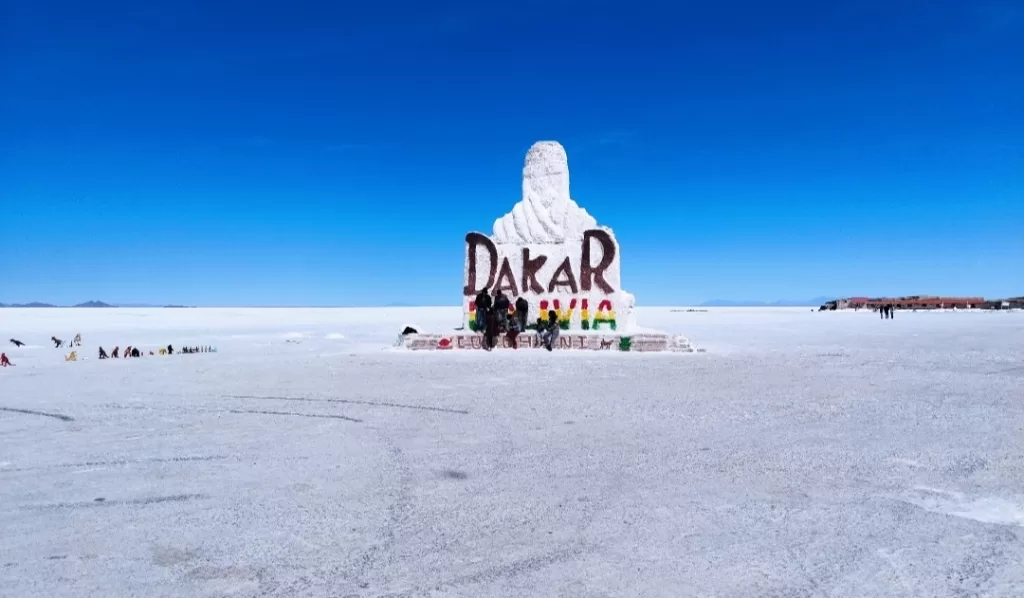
[916, 302]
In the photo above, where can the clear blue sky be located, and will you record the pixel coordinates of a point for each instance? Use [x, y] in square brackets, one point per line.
[336, 153]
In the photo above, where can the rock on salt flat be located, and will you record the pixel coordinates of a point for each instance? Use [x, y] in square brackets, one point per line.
[546, 214]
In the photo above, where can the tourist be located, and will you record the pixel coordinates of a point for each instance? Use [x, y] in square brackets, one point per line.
[127, 352]
[57, 343]
[16, 342]
[522, 312]
[103, 354]
[170, 350]
[114, 353]
[501, 305]
[483, 305]
[135, 352]
[549, 333]
[892, 311]
[512, 330]
[4, 362]
[491, 330]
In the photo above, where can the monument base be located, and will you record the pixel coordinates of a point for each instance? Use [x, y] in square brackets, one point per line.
[640, 342]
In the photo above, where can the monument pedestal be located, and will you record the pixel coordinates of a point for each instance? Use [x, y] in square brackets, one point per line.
[640, 342]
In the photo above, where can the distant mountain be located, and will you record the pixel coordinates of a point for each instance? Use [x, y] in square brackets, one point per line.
[86, 304]
[93, 304]
[813, 302]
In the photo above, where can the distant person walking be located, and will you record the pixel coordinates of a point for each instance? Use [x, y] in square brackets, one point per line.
[103, 354]
[522, 313]
[17, 343]
[483, 305]
[892, 311]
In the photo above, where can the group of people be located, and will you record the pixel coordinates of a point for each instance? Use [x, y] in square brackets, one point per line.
[885, 312]
[131, 351]
[498, 315]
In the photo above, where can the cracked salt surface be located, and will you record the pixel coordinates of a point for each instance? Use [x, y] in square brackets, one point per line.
[804, 454]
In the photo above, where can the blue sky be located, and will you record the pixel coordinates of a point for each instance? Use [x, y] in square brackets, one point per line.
[336, 153]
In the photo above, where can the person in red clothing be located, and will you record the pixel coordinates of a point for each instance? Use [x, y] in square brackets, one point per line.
[4, 362]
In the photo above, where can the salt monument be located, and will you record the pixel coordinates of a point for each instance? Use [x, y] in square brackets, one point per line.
[551, 252]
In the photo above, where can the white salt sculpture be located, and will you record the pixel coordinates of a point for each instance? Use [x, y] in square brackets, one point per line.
[579, 263]
[546, 214]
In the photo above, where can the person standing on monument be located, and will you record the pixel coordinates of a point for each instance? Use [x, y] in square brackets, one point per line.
[501, 305]
[491, 330]
[483, 305]
[522, 312]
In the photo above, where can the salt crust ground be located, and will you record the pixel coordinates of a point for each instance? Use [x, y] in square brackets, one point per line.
[805, 454]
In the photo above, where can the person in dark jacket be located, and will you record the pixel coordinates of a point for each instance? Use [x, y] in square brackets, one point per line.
[103, 354]
[170, 350]
[512, 330]
[522, 313]
[16, 342]
[135, 352]
[483, 305]
[501, 305]
[491, 330]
